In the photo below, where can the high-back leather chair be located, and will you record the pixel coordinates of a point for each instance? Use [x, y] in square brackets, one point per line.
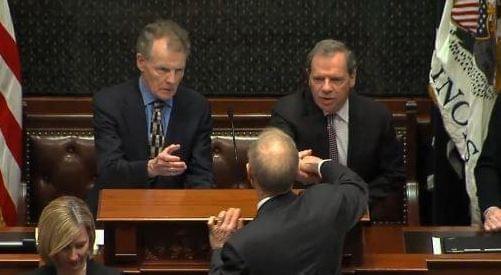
[63, 161]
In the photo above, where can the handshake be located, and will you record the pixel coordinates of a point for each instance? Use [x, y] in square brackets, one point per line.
[229, 221]
[308, 168]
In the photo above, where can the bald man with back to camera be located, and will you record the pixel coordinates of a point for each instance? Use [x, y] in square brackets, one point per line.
[291, 234]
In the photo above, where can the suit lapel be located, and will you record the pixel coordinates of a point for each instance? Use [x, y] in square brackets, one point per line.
[135, 118]
[174, 129]
[315, 123]
[355, 118]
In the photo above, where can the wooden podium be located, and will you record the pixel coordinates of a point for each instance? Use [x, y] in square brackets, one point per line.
[164, 230]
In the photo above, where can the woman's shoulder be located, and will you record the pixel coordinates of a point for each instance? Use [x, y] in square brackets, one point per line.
[43, 270]
[95, 268]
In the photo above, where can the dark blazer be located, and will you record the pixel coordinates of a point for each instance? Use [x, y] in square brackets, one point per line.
[374, 152]
[121, 138]
[297, 234]
[488, 168]
[93, 268]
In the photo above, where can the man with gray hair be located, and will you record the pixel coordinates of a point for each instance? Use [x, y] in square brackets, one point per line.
[291, 234]
[152, 132]
[330, 120]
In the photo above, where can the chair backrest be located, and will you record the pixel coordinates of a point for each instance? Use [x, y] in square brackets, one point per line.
[63, 161]
[57, 162]
[228, 164]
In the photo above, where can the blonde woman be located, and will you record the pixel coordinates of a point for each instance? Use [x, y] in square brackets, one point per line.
[66, 234]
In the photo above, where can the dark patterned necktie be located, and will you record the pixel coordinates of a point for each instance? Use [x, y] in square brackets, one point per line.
[333, 154]
[157, 139]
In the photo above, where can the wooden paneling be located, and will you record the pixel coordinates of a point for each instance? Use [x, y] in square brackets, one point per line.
[172, 205]
[166, 230]
[18, 262]
[251, 112]
[386, 251]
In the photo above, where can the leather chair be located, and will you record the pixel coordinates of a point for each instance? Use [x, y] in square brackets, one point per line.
[57, 162]
[63, 161]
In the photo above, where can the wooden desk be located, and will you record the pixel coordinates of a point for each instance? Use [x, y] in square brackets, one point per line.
[15, 263]
[408, 250]
[141, 237]
[140, 205]
[149, 230]
[385, 252]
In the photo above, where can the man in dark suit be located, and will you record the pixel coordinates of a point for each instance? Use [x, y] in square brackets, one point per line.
[488, 173]
[364, 138]
[152, 132]
[291, 234]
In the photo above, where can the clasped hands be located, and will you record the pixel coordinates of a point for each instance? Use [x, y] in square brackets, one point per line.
[166, 164]
[223, 226]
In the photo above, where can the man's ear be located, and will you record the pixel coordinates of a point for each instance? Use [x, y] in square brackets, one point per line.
[248, 169]
[306, 76]
[353, 78]
[140, 61]
[249, 174]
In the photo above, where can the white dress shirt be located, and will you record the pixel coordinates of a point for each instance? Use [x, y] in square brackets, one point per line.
[341, 122]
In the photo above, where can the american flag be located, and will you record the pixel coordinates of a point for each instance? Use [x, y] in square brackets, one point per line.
[482, 27]
[465, 14]
[10, 118]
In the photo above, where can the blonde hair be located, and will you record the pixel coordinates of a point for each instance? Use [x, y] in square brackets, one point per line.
[59, 224]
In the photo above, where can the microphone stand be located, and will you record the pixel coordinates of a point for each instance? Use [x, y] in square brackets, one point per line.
[235, 151]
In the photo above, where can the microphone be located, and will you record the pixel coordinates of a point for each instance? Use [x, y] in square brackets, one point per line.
[230, 117]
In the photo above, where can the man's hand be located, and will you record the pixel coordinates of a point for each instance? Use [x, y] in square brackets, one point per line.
[167, 164]
[309, 164]
[222, 227]
[306, 173]
[493, 219]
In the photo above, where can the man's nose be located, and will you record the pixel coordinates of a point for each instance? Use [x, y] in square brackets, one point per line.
[326, 85]
[171, 76]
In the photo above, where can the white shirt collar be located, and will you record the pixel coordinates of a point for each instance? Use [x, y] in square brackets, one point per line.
[261, 202]
[343, 112]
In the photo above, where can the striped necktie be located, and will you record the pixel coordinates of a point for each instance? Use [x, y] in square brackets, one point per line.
[157, 138]
[333, 154]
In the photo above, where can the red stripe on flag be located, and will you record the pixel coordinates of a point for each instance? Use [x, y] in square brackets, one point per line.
[8, 207]
[463, 5]
[9, 52]
[464, 12]
[11, 131]
[467, 22]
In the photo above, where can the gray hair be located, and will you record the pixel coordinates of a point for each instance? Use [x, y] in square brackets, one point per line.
[273, 159]
[178, 37]
[329, 47]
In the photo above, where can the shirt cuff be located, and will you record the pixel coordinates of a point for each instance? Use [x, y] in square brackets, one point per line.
[320, 166]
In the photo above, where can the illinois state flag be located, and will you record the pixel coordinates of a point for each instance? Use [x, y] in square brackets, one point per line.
[462, 78]
[10, 119]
